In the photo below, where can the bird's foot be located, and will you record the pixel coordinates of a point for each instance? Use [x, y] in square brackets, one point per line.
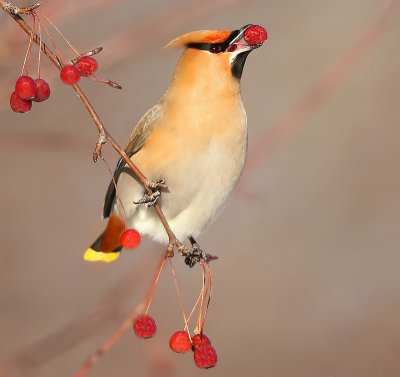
[152, 199]
[157, 185]
[149, 200]
[196, 254]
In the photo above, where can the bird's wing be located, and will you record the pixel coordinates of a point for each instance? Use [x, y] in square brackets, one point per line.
[136, 141]
[143, 129]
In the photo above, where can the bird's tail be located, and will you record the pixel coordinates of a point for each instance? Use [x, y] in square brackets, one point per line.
[107, 246]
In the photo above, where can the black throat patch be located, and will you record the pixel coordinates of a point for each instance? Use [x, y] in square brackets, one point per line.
[238, 64]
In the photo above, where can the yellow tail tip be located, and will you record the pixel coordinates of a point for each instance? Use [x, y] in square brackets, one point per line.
[95, 256]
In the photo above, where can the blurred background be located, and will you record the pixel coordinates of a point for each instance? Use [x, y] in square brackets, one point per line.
[307, 283]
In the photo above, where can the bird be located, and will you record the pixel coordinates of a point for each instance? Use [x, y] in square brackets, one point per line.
[194, 139]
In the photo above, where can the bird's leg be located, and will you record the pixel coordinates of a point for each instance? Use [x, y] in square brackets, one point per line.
[149, 200]
[155, 187]
[195, 254]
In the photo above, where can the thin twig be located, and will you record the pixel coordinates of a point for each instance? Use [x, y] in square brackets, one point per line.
[89, 53]
[113, 84]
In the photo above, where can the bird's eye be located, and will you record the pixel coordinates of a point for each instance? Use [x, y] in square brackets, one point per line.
[215, 49]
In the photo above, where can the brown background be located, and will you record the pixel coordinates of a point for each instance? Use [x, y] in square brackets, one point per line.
[307, 284]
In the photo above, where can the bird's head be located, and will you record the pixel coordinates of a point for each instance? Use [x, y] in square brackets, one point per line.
[224, 50]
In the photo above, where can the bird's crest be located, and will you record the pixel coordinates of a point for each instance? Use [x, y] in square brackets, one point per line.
[202, 36]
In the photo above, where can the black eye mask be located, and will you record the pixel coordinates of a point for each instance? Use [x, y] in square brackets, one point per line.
[215, 48]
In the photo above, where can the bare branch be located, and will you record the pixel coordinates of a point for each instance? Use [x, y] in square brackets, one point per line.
[113, 84]
[12, 9]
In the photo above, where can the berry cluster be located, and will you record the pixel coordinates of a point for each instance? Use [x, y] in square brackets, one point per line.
[204, 353]
[27, 90]
[84, 66]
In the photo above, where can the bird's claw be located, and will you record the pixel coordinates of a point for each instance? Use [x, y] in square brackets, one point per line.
[149, 200]
[196, 254]
[157, 185]
[152, 199]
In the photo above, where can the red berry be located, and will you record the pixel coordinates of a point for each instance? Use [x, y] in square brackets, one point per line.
[25, 87]
[180, 342]
[20, 105]
[144, 326]
[86, 65]
[43, 90]
[130, 238]
[255, 35]
[69, 74]
[199, 339]
[205, 356]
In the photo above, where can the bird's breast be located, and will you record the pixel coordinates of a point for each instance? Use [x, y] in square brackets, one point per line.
[188, 129]
[199, 149]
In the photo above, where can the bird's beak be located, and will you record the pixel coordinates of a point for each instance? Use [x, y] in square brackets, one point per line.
[239, 44]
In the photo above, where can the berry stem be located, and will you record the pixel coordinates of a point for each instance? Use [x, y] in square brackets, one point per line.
[203, 294]
[40, 45]
[28, 53]
[206, 296]
[20, 21]
[209, 288]
[154, 285]
[195, 305]
[62, 35]
[180, 298]
[30, 45]
[53, 43]
[125, 325]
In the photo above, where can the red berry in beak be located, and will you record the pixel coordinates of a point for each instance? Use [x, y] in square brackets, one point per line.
[255, 35]
[43, 90]
[25, 87]
[20, 105]
[144, 326]
[86, 65]
[130, 238]
[69, 74]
